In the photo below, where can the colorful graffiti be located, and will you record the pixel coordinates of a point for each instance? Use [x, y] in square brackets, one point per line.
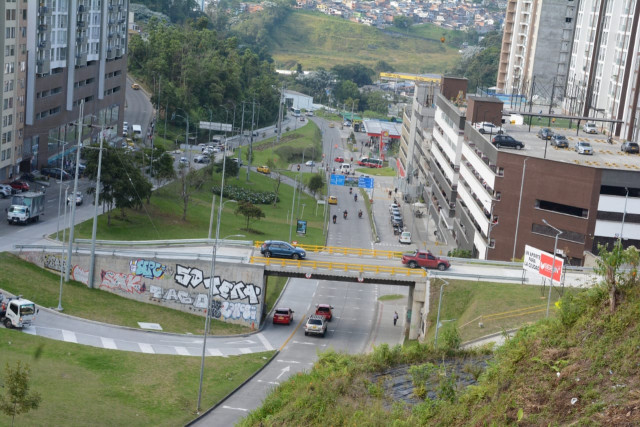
[79, 274]
[124, 282]
[194, 277]
[149, 269]
[53, 262]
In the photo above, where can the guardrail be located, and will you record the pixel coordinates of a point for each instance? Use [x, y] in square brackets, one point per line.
[375, 253]
[174, 242]
[337, 267]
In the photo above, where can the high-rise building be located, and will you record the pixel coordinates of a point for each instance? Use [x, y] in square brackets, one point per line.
[76, 57]
[536, 48]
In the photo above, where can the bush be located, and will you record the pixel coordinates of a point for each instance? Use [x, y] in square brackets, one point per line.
[452, 338]
[243, 195]
[459, 253]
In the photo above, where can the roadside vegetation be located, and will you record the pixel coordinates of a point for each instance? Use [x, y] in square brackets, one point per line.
[579, 367]
[82, 385]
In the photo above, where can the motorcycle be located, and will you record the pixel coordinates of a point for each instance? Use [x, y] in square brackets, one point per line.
[355, 197]
[335, 217]
[419, 214]
[350, 190]
[359, 214]
[344, 214]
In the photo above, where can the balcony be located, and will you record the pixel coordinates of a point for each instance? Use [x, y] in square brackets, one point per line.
[476, 212]
[43, 44]
[43, 27]
[43, 66]
[441, 202]
[110, 53]
[44, 10]
[80, 24]
[119, 52]
[81, 59]
[80, 39]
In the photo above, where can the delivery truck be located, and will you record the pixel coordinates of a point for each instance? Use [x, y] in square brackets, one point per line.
[25, 208]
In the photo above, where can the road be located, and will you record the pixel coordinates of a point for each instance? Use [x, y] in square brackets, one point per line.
[138, 109]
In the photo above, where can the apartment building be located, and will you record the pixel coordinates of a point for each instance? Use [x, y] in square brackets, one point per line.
[13, 65]
[536, 48]
[603, 73]
[494, 201]
[76, 64]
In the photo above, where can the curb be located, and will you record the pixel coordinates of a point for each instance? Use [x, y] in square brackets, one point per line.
[224, 399]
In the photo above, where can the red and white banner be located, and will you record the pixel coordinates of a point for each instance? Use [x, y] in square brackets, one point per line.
[540, 262]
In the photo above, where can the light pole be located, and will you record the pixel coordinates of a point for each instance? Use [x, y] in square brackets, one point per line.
[64, 143]
[435, 344]
[210, 119]
[186, 135]
[293, 203]
[624, 213]
[553, 263]
[96, 202]
[515, 238]
[62, 254]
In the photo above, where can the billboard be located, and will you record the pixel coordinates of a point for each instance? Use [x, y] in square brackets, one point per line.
[540, 262]
[223, 127]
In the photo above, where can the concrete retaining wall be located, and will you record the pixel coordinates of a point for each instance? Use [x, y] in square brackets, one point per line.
[237, 294]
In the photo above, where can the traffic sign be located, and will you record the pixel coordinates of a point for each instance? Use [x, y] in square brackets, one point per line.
[365, 182]
[337, 179]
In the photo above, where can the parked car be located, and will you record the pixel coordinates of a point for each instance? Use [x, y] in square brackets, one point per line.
[27, 176]
[559, 141]
[135, 86]
[324, 310]
[264, 169]
[125, 128]
[332, 125]
[545, 133]
[488, 127]
[5, 190]
[339, 159]
[277, 248]
[19, 185]
[202, 159]
[283, 316]
[316, 325]
[405, 237]
[55, 173]
[590, 127]
[183, 161]
[78, 199]
[424, 259]
[393, 206]
[583, 148]
[310, 163]
[630, 147]
[333, 200]
[507, 141]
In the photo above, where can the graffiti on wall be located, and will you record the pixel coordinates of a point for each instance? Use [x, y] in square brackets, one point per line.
[238, 310]
[181, 297]
[124, 282]
[149, 269]
[79, 274]
[54, 262]
[194, 277]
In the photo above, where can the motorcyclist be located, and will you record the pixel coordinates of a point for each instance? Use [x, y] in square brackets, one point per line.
[355, 197]
[350, 190]
[360, 213]
[335, 217]
[344, 214]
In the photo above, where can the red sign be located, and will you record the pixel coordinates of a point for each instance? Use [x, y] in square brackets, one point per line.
[400, 168]
[546, 261]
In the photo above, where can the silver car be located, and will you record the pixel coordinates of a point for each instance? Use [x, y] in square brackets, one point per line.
[584, 148]
[79, 198]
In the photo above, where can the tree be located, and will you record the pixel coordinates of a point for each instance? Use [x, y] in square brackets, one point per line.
[357, 73]
[316, 183]
[18, 399]
[346, 89]
[276, 179]
[402, 22]
[383, 67]
[376, 101]
[163, 169]
[249, 211]
[610, 266]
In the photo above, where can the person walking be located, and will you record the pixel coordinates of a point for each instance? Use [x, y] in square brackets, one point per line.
[395, 318]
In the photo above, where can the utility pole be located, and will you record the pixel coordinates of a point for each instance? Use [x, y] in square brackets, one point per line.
[280, 108]
[95, 215]
[75, 191]
[253, 115]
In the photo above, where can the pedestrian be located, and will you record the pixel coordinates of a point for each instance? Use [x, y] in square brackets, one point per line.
[389, 193]
[395, 318]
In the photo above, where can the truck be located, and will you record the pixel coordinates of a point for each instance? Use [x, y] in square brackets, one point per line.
[26, 207]
[424, 259]
[17, 312]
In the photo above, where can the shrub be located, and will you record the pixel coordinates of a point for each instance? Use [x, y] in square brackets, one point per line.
[460, 253]
[244, 195]
[452, 338]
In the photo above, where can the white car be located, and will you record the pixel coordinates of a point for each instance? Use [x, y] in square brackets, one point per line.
[405, 237]
[183, 161]
[488, 127]
[590, 127]
[125, 128]
[310, 163]
[5, 190]
[78, 199]
[583, 148]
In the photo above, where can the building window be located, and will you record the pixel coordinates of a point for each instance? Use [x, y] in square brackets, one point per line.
[562, 208]
[571, 236]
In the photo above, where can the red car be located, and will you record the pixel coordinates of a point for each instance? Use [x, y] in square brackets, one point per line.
[339, 159]
[20, 185]
[283, 315]
[324, 310]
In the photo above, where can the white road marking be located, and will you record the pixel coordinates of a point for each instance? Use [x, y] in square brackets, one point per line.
[269, 382]
[182, 351]
[284, 371]
[214, 352]
[235, 409]
[69, 336]
[245, 350]
[304, 342]
[287, 361]
[242, 342]
[264, 342]
[108, 343]
[146, 348]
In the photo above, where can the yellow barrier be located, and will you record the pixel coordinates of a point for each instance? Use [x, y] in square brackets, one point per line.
[345, 251]
[331, 266]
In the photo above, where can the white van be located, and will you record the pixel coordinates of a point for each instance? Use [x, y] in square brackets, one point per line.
[137, 131]
[345, 168]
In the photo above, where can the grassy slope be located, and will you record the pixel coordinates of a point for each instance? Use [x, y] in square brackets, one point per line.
[584, 353]
[317, 40]
[83, 385]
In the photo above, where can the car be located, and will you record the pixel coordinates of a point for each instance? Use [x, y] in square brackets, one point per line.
[507, 141]
[405, 237]
[264, 169]
[333, 200]
[346, 123]
[202, 159]
[590, 127]
[125, 128]
[424, 259]
[339, 159]
[583, 147]
[310, 163]
[55, 173]
[394, 206]
[310, 113]
[630, 147]
[545, 133]
[332, 125]
[324, 310]
[5, 190]
[395, 212]
[135, 86]
[278, 248]
[316, 325]
[559, 141]
[488, 127]
[237, 160]
[301, 118]
[28, 176]
[78, 199]
[183, 161]
[19, 185]
[397, 222]
[283, 316]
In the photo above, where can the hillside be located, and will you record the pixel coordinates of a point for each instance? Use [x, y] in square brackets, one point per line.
[579, 368]
[317, 40]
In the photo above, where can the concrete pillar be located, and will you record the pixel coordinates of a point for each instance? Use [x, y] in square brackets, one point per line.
[417, 305]
[409, 306]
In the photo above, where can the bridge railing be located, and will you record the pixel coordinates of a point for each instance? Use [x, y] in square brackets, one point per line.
[339, 266]
[336, 250]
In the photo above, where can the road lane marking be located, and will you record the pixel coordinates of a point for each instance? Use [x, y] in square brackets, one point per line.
[264, 341]
[287, 361]
[269, 382]
[292, 333]
[235, 409]
[182, 351]
[146, 348]
[245, 350]
[214, 352]
[304, 342]
[108, 343]
[69, 336]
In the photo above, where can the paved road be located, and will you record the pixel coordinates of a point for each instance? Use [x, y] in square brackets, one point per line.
[138, 109]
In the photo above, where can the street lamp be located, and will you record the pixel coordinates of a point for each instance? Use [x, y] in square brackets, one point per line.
[186, 141]
[62, 254]
[515, 238]
[213, 201]
[210, 119]
[435, 344]
[624, 213]
[553, 263]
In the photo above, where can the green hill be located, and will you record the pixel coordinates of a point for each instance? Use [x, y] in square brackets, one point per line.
[317, 40]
